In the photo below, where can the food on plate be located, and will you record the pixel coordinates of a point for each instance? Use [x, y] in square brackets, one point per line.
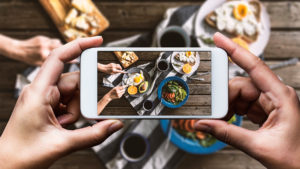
[237, 18]
[187, 68]
[186, 129]
[238, 40]
[132, 90]
[83, 20]
[186, 57]
[143, 87]
[207, 40]
[135, 78]
[136, 82]
[240, 11]
[126, 58]
[173, 92]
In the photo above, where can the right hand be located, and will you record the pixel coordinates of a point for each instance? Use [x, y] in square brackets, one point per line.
[266, 101]
[116, 92]
[111, 68]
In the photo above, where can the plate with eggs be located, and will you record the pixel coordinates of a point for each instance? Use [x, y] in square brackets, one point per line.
[137, 81]
[246, 22]
[185, 62]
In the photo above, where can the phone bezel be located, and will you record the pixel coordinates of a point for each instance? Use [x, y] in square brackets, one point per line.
[89, 82]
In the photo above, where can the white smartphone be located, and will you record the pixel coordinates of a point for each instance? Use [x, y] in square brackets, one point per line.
[164, 83]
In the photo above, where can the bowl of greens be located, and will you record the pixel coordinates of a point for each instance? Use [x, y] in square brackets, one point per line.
[183, 136]
[173, 92]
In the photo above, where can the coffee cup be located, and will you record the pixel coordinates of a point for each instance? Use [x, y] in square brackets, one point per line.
[162, 65]
[173, 36]
[134, 147]
[147, 105]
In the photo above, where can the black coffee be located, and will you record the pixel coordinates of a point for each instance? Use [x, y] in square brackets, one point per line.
[148, 105]
[162, 65]
[172, 39]
[134, 146]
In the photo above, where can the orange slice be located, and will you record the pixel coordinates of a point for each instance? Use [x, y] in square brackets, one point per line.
[238, 40]
[132, 90]
[240, 11]
[187, 68]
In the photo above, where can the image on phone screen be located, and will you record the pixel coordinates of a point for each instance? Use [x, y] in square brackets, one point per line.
[157, 83]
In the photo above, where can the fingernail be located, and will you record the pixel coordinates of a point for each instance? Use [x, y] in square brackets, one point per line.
[202, 127]
[115, 126]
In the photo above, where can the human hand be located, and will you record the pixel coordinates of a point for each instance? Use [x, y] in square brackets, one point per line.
[34, 51]
[34, 136]
[116, 92]
[110, 68]
[266, 101]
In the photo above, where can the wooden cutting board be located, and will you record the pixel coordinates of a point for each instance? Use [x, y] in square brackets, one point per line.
[58, 10]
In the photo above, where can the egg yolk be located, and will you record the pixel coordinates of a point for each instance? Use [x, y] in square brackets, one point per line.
[188, 54]
[240, 11]
[138, 79]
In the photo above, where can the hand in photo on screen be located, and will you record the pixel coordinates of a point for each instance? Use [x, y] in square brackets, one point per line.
[111, 68]
[266, 101]
[34, 136]
[115, 93]
[33, 51]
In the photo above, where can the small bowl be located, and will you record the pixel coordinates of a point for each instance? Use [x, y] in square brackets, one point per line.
[180, 81]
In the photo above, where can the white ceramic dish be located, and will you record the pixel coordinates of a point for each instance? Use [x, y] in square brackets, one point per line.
[175, 62]
[203, 29]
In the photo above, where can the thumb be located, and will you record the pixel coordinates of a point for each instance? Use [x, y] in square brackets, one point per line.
[236, 136]
[93, 135]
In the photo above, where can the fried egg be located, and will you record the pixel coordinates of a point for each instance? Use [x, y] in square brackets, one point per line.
[237, 17]
[135, 78]
[186, 57]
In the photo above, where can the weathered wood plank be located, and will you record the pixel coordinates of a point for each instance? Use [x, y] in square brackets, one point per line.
[282, 44]
[124, 15]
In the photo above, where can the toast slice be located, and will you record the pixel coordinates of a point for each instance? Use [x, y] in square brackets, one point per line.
[257, 12]
[126, 58]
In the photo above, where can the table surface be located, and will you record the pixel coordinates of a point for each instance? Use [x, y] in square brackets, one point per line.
[26, 18]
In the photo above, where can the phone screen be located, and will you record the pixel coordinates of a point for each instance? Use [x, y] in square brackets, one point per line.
[154, 83]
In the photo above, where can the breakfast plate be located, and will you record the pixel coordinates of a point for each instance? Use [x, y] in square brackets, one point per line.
[180, 59]
[204, 31]
[137, 80]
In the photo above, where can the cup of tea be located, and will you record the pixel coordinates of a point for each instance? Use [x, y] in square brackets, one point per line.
[134, 147]
[173, 36]
[162, 65]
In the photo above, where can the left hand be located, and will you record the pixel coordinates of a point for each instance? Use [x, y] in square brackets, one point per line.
[34, 136]
[116, 92]
[34, 51]
[110, 68]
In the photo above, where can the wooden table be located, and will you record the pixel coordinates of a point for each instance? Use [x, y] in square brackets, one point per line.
[26, 18]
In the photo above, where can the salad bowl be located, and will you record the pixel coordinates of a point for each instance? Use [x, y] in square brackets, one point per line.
[181, 83]
[193, 146]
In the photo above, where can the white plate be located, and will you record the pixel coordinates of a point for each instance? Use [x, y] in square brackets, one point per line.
[201, 28]
[179, 68]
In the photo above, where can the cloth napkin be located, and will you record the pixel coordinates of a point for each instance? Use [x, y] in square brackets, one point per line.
[162, 154]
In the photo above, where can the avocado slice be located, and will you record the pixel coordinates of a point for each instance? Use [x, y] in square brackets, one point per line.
[143, 87]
